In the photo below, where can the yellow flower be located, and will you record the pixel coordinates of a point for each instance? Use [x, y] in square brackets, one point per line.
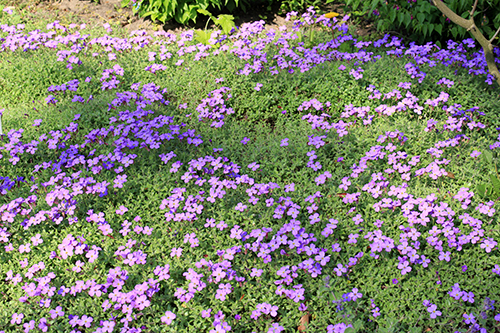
[331, 15]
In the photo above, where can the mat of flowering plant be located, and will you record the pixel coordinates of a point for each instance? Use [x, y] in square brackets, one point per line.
[259, 183]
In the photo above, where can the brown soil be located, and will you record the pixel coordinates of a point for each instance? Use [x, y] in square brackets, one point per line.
[110, 11]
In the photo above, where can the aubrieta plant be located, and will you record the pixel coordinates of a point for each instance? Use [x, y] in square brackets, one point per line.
[157, 184]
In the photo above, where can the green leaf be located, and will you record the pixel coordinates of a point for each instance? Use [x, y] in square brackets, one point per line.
[151, 12]
[488, 157]
[421, 17]
[392, 16]
[358, 324]
[426, 7]
[226, 22]
[438, 28]
[407, 19]
[481, 190]
[125, 3]
[431, 28]
[375, 3]
[204, 12]
[231, 6]
[462, 4]
[496, 184]
[202, 36]
[401, 17]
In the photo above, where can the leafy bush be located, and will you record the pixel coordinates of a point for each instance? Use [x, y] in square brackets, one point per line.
[424, 22]
[299, 5]
[184, 11]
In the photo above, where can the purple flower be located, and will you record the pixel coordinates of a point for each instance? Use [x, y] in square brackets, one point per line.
[275, 328]
[355, 294]
[404, 267]
[258, 86]
[469, 319]
[336, 247]
[475, 154]
[256, 272]
[444, 256]
[245, 140]
[284, 142]
[254, 166]
[241, 207]
[488, 244]
[17, 318]
[206, 313]
[432, 309]
[29, 326]
[176, 252]
[168, 317]
[468, 297]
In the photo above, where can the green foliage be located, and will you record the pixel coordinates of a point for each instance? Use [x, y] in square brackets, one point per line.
[186, 11]
[423, 22]
[490, 190]
[299, 5]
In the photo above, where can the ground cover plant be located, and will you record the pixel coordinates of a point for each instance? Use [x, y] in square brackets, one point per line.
[264, 180]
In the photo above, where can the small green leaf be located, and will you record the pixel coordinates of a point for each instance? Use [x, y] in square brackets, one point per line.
[481, 190]
[392, 16]
[401, 18]
[202, 36]
[358, 324]
[438, 28]
[496, 184]
[407, 19]
[431, 28]
[421, 17]
[488, 157]
[204, 12]
[226, 22]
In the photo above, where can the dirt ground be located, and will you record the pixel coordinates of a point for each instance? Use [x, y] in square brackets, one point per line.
[110, 11]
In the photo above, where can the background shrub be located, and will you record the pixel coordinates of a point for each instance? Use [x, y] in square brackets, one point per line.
[423, 22]
[184, 11]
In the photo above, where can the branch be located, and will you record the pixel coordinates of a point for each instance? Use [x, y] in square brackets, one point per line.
[472, 28]
[496, 33]
[473, 9]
